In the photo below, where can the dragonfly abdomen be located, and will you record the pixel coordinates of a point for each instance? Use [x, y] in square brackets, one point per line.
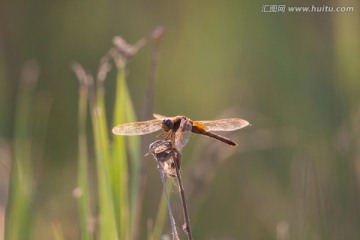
[214, 135]
[220, 138]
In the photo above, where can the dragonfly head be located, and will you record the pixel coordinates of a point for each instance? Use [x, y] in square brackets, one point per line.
[167, 124]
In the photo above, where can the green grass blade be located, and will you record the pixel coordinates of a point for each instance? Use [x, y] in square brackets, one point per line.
[120, 170]
[83, 178]
[4, 93]
[57, 231]
[134, 147]
[18, 216]
[107, 220]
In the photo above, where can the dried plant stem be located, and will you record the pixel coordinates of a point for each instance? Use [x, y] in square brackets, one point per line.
[156, 36]
[172, 219]
[186, 227]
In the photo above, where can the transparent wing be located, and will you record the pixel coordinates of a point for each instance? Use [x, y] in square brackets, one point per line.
[182, 135]
[159, 116]
[228, 124]
[137, 128]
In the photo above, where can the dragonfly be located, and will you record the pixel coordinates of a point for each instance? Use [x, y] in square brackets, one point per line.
[170, 126]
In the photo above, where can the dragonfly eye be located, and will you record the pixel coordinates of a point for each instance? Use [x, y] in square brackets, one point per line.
[167, 124]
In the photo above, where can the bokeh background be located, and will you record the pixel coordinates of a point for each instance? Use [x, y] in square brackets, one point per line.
[294, 76]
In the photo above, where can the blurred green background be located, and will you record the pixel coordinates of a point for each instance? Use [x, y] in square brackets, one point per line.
[294, 76]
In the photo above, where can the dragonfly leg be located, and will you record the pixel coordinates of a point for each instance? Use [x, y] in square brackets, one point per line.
[169, 135]
[161, 134]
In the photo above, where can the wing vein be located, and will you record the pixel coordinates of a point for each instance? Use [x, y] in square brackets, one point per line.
[137, 128]
[228, 124]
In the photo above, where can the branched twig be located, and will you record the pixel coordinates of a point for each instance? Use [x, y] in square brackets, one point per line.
[156, 36]
[182, 136]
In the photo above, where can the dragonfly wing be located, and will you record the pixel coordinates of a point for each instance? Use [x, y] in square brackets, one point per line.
[182, 139]
[228, 124]
[137, 128]
[159, 116]
[182, 135]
